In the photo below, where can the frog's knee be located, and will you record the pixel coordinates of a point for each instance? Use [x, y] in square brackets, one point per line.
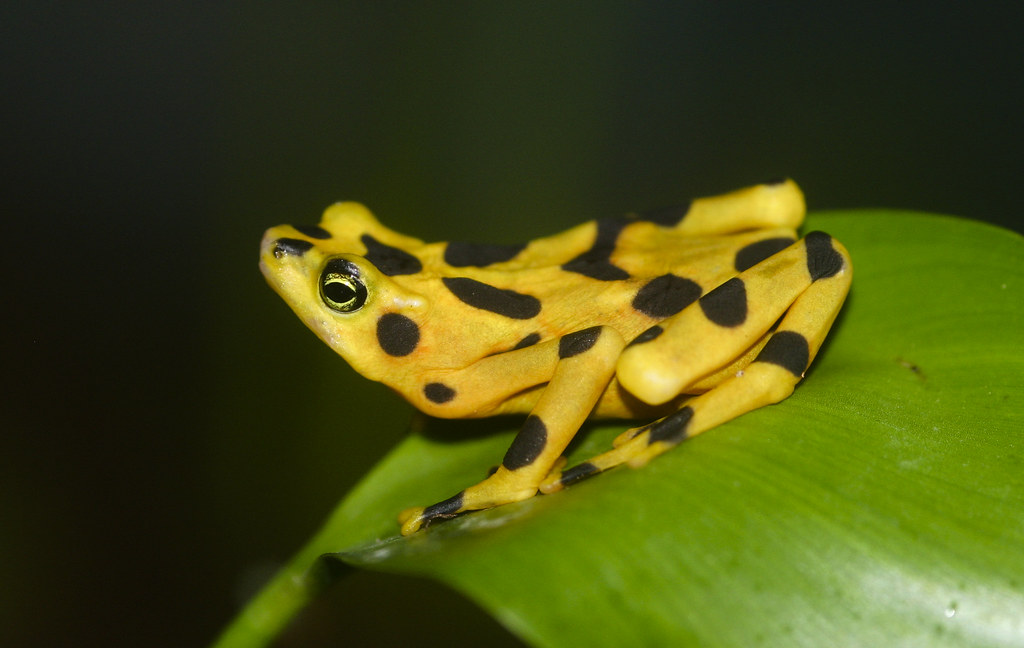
[596, 343]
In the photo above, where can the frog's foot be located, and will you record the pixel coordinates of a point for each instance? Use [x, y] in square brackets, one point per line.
[419, 517]
[503, 487]
[635, 447]
[761, 383]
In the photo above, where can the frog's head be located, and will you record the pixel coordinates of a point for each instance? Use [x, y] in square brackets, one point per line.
[336, 276]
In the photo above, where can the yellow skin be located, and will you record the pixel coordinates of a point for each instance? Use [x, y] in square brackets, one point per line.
[551, 328]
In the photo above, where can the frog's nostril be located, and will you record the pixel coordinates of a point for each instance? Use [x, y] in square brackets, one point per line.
[290, 247]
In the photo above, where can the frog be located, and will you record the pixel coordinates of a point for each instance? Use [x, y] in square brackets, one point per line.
[681, 318]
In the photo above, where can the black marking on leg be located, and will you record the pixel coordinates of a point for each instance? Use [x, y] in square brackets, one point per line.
[822, 259]
[750, 255]
[787, 349]
[291, 247]
[578, 342]
[577, 473]
[507, 303]
[672, 428]
[439, 393]
[665, 216]
[727, 304]
[595, 262]
[461, 255]
[390, 260]
[528, 341]
[397, 334]
[647, 335]
[313, 231]
[527, 445]
[449, 508]
[666, 295]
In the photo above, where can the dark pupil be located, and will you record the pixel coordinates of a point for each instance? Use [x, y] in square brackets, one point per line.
[339, 292]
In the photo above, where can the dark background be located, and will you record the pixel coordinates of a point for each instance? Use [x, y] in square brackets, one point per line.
[171, 432]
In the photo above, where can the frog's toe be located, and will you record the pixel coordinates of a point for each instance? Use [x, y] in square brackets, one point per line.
[411, 520]
[414, 519]
[415, 523]
[629, 435]
[553, 482]
[410, 513]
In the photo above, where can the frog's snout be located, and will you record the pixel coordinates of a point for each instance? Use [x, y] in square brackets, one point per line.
[281, 247]
[282, 255]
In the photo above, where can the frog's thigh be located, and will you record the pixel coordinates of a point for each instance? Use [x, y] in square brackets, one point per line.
[585, 364]
[769, 379]
[723, 324]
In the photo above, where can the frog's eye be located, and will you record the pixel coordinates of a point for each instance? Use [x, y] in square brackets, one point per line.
[341, 288]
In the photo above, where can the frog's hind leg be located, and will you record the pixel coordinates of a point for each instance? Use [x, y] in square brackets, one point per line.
[768, 379]
[769, 205]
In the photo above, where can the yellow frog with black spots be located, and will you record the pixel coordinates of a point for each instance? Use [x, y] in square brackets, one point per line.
[688, 316]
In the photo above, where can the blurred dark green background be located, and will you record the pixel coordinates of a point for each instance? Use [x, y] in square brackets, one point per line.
[171, 431]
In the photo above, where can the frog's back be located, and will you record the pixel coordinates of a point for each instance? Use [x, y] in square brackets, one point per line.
[480, 299]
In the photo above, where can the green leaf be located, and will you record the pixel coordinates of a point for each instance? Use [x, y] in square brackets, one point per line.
[882, 504]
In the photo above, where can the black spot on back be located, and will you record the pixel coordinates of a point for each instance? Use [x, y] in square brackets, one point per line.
[787, 349]
[397, 334]
[665, 216]
[291, 247]
[647, 335]
[822, 259]
[666, 295]
[755, 253]
[438, 392]
[313, 231]
[390, 260]
[672, 428]
[507, 303]
[527, 445]
[595, 262]
[727, 304]
[578, 342]
[462, 255]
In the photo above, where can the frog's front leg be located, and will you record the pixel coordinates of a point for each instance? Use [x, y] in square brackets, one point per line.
[583, 363]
